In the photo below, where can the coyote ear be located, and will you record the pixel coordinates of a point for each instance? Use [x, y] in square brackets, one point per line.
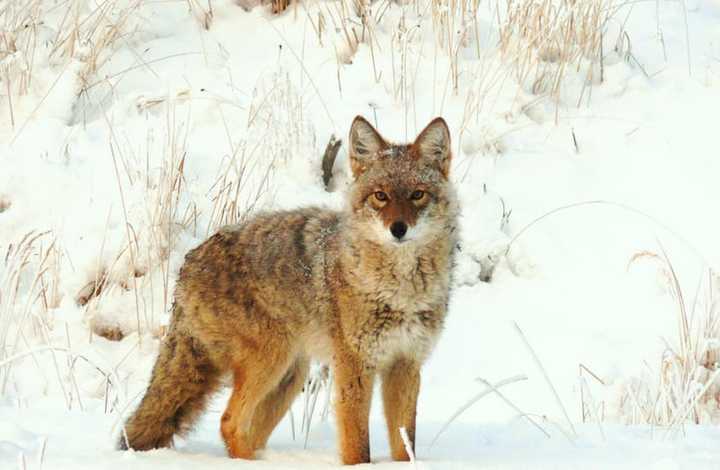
[365, 143]
[433, 145]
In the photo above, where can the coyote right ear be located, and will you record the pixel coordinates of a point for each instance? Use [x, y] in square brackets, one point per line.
[434, 145]
[365, 143]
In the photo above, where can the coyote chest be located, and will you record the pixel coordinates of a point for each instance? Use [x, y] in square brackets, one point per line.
[401, 310]
[390, 334]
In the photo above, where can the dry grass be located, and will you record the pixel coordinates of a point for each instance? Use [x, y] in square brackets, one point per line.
[202, 11]
[276, 129]
[552, 49]
[29, 280]
[318, 382]
[545, 40]
[89, 32]
[38, 33]
[19, 23]
[142, 267]
[18, 42]
[455, 23]
[30, 336]
[683, 386]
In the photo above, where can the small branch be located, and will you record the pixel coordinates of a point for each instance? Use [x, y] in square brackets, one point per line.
[328, 159]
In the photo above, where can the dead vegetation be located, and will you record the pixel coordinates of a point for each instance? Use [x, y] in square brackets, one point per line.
[682, 386]
[75, 35]
[542, 38]
[29, 291]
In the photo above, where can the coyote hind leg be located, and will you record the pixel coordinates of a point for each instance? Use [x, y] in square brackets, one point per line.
[255, 378]
[276, 403]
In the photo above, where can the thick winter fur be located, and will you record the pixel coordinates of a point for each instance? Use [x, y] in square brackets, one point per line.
[263, 298]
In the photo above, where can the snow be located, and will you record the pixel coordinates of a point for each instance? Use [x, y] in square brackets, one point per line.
[249, 105]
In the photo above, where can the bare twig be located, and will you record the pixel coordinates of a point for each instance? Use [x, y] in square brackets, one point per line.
[328, 159]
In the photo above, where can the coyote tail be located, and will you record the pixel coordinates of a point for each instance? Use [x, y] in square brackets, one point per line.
[182, 379]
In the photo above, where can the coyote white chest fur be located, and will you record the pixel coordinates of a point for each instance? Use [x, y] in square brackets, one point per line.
[365, 290]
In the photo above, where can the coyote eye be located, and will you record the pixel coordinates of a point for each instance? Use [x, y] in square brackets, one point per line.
[417, 195]
[381, 196]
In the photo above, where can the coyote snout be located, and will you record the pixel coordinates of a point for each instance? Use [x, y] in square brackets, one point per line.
[261, 299]
[398, 229]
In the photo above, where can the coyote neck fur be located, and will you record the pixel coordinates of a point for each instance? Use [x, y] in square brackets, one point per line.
[376, 267]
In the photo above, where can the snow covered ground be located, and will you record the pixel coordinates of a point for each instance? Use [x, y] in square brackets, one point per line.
[113, 164]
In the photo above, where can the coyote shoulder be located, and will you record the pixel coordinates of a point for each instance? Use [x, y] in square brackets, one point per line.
[364, 289]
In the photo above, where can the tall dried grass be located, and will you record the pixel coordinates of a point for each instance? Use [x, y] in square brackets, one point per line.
[276, 129]
[29, 280]
[73, 34]
[546, 40]
[683, 387]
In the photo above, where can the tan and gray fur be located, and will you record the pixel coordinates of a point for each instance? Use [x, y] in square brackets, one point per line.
[364, 289]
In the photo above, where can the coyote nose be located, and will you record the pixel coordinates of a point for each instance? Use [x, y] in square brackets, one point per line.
[398, 229]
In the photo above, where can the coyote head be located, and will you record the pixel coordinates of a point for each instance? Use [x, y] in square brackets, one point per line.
[401, 192]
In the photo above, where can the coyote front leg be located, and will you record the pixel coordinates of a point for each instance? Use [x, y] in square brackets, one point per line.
[353, 394]
[400, 388]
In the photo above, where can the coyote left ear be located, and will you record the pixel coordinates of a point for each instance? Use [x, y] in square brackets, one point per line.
[433, 145]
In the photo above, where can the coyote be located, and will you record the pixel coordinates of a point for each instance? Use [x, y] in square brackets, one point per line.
[364, 290]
